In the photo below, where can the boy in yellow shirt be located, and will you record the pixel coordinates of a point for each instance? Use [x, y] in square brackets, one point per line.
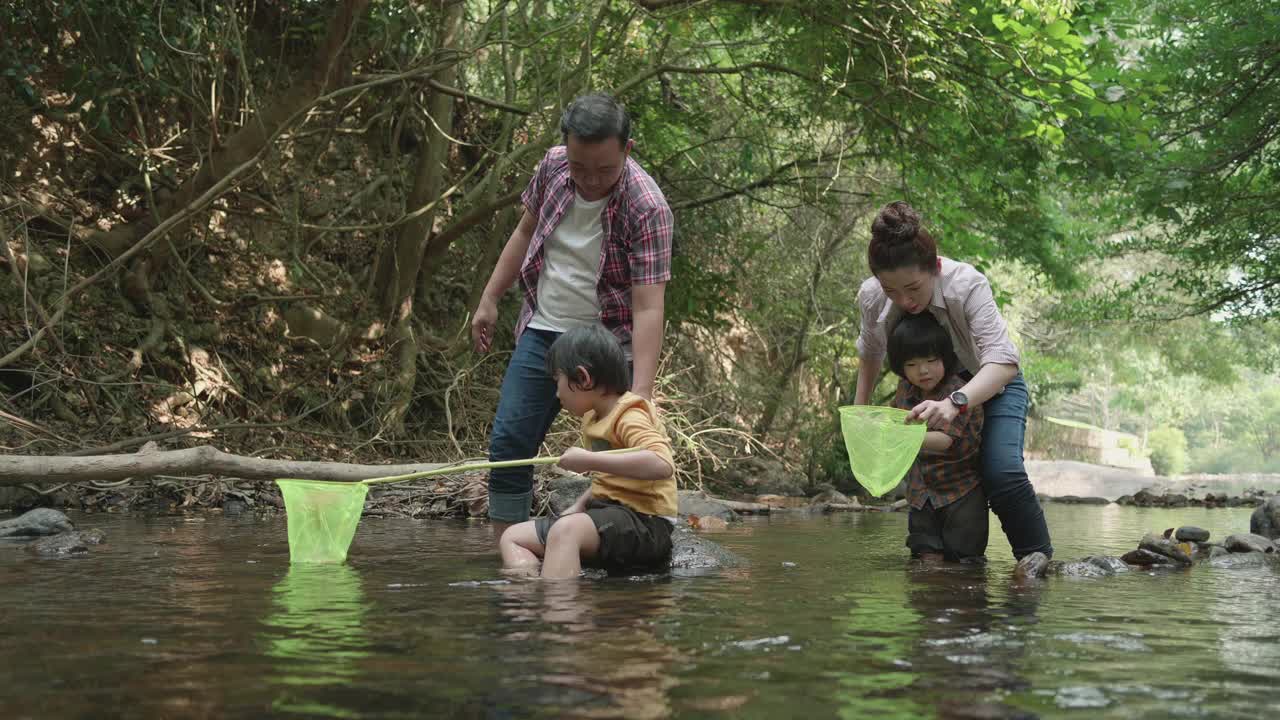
[624, 520]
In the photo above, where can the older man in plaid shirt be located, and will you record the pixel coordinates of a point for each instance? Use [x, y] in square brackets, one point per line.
[593, 246]
[944, 487]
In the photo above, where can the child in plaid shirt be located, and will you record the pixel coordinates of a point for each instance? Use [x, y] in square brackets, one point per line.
[944, 487]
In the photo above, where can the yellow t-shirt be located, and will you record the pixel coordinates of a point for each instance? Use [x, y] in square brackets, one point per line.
[632, 423]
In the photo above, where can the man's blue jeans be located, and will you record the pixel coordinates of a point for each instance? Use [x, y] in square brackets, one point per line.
[1004, 476]
[526, 409]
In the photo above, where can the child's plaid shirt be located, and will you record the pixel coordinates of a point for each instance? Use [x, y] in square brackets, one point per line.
[945, 477]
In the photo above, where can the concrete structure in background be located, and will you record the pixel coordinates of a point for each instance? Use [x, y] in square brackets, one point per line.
[1055, 439]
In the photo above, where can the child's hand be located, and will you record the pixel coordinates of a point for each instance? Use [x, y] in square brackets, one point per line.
[576, 459]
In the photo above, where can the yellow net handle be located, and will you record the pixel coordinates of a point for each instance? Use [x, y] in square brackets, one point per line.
[455, 469]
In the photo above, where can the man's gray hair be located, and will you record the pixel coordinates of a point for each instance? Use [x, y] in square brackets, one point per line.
[596, 117]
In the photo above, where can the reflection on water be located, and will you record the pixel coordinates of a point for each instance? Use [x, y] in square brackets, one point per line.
[203, 616]
[315, 634]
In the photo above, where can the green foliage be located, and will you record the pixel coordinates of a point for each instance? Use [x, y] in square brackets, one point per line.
[1167, 447]
[1189, 126]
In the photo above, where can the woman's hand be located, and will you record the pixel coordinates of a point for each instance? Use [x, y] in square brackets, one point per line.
[577, 459]
[936, 414]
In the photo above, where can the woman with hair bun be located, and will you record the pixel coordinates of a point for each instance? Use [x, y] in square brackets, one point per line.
[909, 278]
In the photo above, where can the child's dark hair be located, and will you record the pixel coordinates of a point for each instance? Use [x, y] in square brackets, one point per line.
[595, 349]
[899, 239]
[921, 336]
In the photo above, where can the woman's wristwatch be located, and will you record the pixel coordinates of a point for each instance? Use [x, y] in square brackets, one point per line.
[960, 400]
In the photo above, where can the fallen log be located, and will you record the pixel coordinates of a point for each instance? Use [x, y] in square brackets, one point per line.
[203, 460]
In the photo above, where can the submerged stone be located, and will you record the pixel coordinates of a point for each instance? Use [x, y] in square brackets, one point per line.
[1239, 560]
[1248, 542]
[1145, 558]
[1034, 565]
[34, 523]
[1081, 569]
[1108, 562]
[67, 543]
[692, 552]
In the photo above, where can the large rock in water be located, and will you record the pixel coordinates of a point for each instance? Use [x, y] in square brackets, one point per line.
[691, 552]
[1164, 546]
[1248, 542]
[1265, 520]
[34, 523]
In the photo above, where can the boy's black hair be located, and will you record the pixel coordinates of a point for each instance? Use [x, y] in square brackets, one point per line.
[595, 349]
[921, 336]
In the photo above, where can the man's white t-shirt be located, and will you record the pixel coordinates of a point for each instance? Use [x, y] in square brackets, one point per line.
[567, 286]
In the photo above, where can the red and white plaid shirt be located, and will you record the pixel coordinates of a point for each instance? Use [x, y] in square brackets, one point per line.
[635, 250]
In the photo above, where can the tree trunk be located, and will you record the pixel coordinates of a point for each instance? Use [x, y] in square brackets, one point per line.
[328, 69]
[398, 267]
[204, 460]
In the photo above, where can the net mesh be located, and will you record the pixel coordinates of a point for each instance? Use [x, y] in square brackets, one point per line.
[322, 518]
[881, 445]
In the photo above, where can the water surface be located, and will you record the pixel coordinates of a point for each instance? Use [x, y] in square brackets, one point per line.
[202, 616]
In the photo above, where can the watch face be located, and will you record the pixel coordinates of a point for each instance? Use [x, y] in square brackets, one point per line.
[959, 398]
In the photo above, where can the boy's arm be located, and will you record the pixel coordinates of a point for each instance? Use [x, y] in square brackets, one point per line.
[638, 464]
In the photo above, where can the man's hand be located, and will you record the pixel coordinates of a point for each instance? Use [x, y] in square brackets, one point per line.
[577, 459]
[937, 414]
[482, 324]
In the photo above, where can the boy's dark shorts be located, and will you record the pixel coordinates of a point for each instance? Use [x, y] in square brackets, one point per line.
[958, 530]
[628, 539]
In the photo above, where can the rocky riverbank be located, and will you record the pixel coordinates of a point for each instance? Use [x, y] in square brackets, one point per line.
[1176, 548]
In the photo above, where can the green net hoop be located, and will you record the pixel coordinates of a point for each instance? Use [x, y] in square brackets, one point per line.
[881, 445]
[322, 518]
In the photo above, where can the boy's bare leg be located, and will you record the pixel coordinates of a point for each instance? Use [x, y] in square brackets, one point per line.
[572, 538]
[520, 548]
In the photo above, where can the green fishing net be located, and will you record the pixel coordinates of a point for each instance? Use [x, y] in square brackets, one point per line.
[881, 445]
[322, 518]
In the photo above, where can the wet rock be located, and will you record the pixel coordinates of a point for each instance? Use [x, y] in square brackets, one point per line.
[565, 489]
[1035, 565]
[1077, 500]
[829, 496]
[234, 507]
[691, 552]
[1145, 558]
[900, 506]
[1146, 498]
[1125, 500]
[34, 523]
[1108, 562]
[1239, 560]
[1174, 500]
[1080, 569]
[1166, 547]
[67, 543]
[1191, 533]
[1248, 542]
[1265, 521]
[696, 502]
[1217, 551]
